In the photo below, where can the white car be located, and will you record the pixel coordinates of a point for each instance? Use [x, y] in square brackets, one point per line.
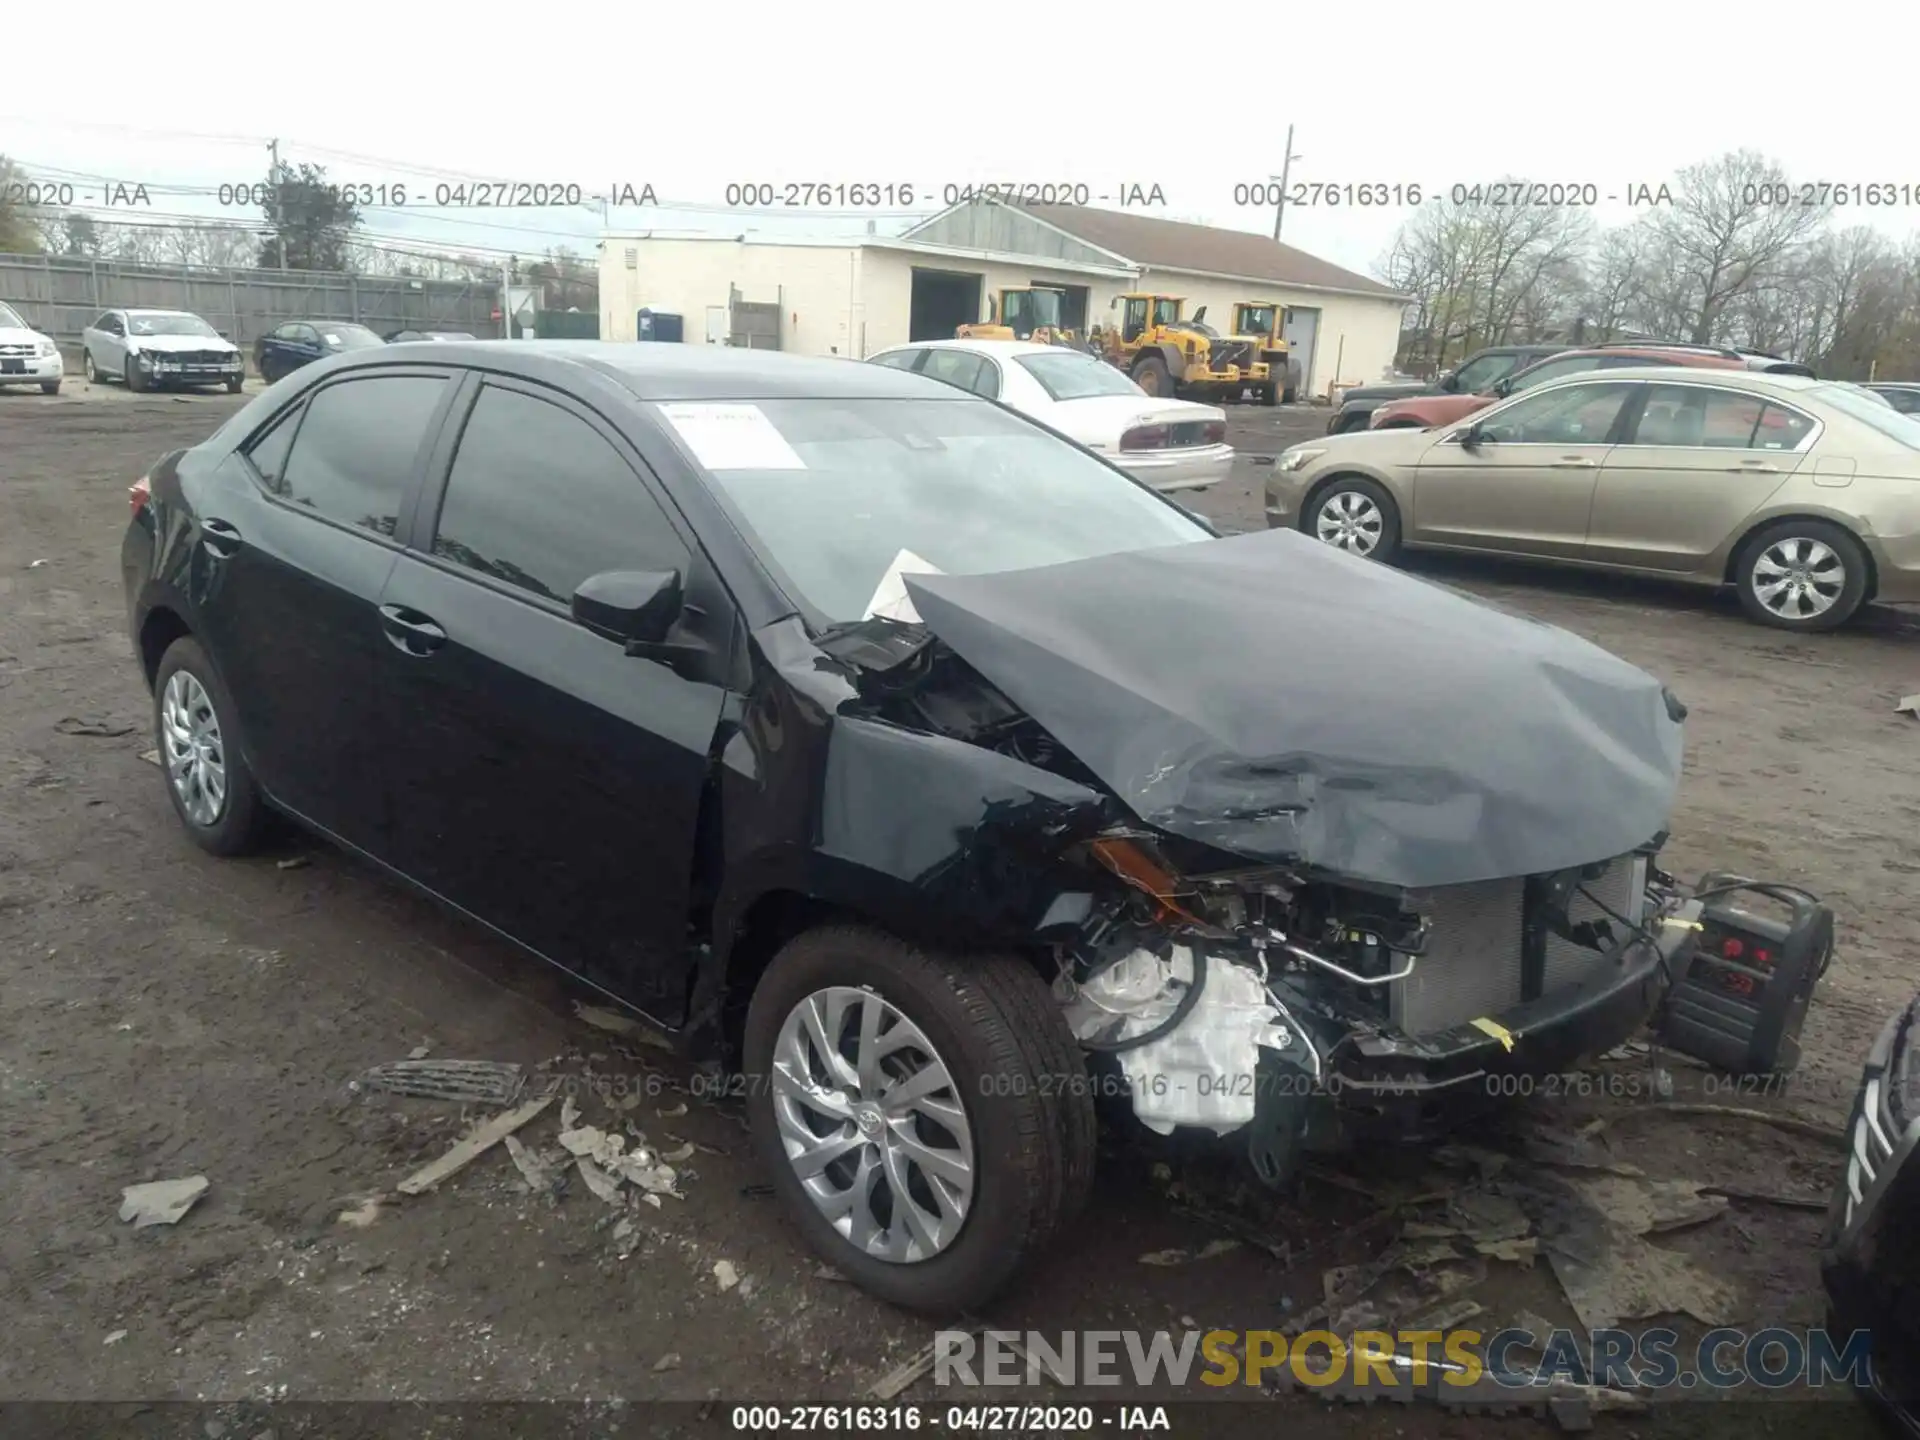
[147, 349]
[1168, 444]
[26, 356]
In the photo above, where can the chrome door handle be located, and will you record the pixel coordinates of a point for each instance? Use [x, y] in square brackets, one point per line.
[1753, 467]
[1572, 462]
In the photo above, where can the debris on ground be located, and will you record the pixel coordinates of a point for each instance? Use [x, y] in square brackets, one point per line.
[36, 564]
[614, 1023]
[152, 757]
[98, 729]
[540, 1176]
[606, 1151]
[362, 1213]
[827, 1272]
[669, 1361]
[725, 1276]
[904, 1374]
[114, 1337]
[294, 862]
[1605, 1266]
[1909, 705]
[161, 1202]
[1182, 1257]
[1816, 1203]
[673, 1114]
[1792, 1124]
[419, 1052]
[475, 1145]
[679, 1153]
[482, 1082]
[603, 1185]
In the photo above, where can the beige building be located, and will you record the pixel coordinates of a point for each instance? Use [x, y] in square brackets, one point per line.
[854, 297]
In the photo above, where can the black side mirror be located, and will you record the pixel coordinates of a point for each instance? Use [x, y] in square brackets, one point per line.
[1502, 388]
[1473, 437]
[1448, 382]
[637, 607]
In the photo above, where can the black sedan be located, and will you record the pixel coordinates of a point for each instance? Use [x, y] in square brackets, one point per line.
[1871, 1254]
[914, 762]
[301, 342]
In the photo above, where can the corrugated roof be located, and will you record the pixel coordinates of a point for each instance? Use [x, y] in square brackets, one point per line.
[1177, 245]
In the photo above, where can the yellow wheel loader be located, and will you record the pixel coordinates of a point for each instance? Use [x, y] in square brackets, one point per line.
[1169, 355]
[1262, 324]
[1031, 314]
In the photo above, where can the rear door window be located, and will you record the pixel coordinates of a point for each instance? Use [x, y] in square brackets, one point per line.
[540, 500]
[899, 359]
[357, 449]
[956, 367]
[1698, 417]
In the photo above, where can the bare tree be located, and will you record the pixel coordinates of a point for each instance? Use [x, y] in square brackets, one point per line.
[19, 227]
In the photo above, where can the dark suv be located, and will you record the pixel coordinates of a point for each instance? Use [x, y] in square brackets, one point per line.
[1475, 375]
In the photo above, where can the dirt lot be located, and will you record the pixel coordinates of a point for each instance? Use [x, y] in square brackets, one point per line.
[165, 1014]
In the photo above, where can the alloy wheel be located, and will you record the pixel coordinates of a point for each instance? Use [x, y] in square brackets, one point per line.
[1350, 521]
[1798, 578]
[196, 757]
[873, 1124]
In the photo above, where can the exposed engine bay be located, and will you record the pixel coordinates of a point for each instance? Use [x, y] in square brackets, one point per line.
[1242, 997]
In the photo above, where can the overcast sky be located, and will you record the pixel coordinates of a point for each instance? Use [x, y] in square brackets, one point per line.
[691, 99]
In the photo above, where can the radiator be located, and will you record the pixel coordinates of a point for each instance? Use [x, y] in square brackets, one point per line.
[1624, 889]
[1475, 958]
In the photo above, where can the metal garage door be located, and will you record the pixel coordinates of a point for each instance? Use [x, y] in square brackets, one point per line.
[1302, 331]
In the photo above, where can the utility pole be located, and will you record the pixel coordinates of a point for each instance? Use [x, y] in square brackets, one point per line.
[506, 302]
[273, 179]
[1286, 169]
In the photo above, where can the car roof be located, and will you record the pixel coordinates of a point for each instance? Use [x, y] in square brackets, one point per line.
[1892, 384]
[666, 371]
[1673, 355]
[1007, 348]
[150, 310]
[1734, 378]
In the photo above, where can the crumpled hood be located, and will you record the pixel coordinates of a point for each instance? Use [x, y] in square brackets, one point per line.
[1380, 394]
[1275, 697]
[176, 344]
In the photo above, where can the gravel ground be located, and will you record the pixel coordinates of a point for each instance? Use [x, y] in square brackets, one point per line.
[166, 1014]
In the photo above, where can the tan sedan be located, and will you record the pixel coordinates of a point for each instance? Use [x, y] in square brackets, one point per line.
[1802, 494]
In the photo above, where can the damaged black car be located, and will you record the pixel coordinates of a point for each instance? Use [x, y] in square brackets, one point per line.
[911, 763]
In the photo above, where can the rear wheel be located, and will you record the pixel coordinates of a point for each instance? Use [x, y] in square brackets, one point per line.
[921, 1112]
[1151, 375]
[1267, 394]
[208, 780]
[1354, 514]
[1805, 575]
[1289, 396]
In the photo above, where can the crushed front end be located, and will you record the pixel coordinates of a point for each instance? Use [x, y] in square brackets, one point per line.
[1289, 1007]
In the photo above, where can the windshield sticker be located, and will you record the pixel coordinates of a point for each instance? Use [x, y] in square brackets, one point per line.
[890, 600]
[732, 437]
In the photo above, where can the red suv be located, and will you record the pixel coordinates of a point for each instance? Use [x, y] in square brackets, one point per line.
[1422, 411]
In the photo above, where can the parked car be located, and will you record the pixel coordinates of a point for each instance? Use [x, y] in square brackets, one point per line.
[285, 348]
[153, 349]
[26, 356]
[1903, 395]
[908, 761]
[402, 337]
[1870, 1251]
[1169, 444]
[1425, 411]
[1472, 376]
[1712, 477]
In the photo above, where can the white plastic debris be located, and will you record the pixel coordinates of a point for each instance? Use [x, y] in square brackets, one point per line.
[114, 1337]
[163, 1202]
[1203, 1073]
[608, 1151]
[725, 1275]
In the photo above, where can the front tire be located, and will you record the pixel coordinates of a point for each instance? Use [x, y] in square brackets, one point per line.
[1268, 395]
[1804, 575]
[86, 368]
[49, 387]
[1356, 515]
[212, 789]
[136, 382]
[1152, 376]
[233, 386]
[934, 1200]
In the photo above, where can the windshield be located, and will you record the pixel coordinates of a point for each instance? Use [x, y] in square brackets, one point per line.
[347, 337]
[1038, 307]
[1257, 320]
[844, 485]
[1073, 376]
[10, 319]
[1874, 413]
[149, 322]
